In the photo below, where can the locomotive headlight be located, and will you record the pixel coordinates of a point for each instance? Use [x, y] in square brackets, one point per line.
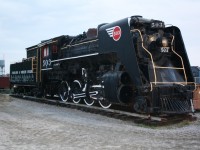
[152, 38]
[164, 42]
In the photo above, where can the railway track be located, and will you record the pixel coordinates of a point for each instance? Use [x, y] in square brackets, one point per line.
[115, 112]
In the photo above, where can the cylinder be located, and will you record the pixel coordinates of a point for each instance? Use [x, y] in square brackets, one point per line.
[117, 86]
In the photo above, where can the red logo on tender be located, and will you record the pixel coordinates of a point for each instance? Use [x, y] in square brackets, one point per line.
[114, 32]
[117, 33]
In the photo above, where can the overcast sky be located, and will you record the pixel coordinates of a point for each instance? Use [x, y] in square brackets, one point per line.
[24, 23]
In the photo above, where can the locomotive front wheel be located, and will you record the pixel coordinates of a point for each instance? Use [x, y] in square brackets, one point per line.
[105, 103]
[64, 91]
[76, 89]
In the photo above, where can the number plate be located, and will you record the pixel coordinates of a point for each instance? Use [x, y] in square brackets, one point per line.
[164, 49]
[157, 24]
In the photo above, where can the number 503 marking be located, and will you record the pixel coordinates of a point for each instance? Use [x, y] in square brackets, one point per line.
[46, 63]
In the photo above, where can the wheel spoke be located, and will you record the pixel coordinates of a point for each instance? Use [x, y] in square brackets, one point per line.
[88, 101]
[76, 89]
[105, 103]
[64, 91]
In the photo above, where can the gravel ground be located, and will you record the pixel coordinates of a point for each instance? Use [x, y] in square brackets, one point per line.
[26, 125]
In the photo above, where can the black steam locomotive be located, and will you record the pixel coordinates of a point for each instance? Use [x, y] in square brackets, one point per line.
[133, 61]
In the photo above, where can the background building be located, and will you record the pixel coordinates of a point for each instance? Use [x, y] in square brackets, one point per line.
[196, 73]
[196, 95]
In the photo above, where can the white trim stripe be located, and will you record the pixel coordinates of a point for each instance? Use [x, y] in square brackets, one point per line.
[75, 57]
[46, 69]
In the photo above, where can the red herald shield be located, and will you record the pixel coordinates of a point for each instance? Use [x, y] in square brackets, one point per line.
[114, 32]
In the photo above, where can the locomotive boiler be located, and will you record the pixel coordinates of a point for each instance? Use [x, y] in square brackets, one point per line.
[134, 61]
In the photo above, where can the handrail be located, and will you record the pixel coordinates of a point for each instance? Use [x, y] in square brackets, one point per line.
[180, 58]
[155, 78]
